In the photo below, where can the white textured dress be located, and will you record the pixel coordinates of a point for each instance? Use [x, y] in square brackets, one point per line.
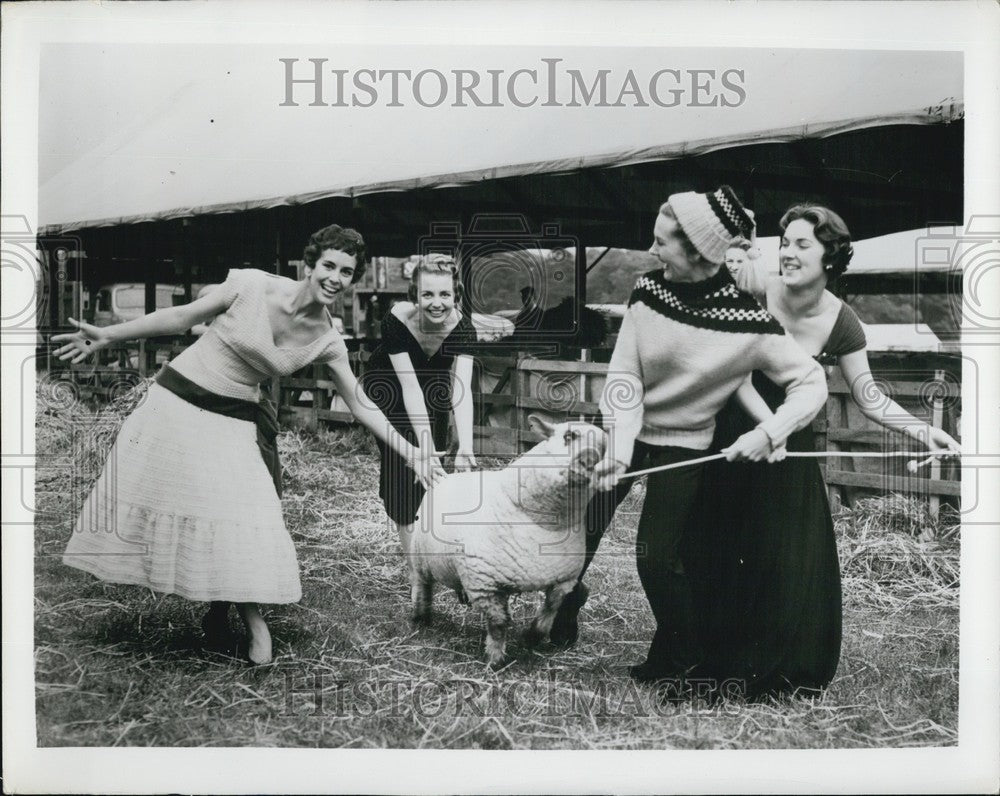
[185, 504]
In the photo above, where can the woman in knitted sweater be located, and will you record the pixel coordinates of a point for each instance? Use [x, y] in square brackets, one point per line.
[688, 340]
[188, 502]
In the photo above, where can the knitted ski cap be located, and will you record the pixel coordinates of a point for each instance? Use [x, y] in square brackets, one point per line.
[712, 220]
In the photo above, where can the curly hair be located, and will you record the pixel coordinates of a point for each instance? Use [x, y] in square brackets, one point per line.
[436, 264]
[739, 242]
[830, 230]
[341, 239]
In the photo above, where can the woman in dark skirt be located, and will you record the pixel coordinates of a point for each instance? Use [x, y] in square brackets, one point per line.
[768, 577]
[418, 376]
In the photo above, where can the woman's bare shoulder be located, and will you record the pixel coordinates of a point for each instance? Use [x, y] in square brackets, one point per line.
[831, 304]
[277, 285]
[772, 289]
[403, 310]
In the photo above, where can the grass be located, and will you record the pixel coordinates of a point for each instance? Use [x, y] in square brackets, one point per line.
[118, 665]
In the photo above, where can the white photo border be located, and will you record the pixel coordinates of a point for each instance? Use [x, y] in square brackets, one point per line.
[971, 766]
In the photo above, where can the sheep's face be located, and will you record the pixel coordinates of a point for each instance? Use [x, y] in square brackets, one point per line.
[576, 446]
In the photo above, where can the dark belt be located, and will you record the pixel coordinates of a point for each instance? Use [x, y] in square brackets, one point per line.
[263, 414]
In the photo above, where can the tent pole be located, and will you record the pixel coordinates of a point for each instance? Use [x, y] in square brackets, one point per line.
[149, 272]
[276, 226]
[183, 250]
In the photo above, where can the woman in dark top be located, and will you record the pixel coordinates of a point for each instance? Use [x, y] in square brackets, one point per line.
[418, 376]
[768, 582]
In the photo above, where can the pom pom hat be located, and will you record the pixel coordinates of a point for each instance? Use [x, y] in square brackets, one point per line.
[712, 220]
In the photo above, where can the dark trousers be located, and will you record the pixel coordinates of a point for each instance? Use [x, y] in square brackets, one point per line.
[667, 517]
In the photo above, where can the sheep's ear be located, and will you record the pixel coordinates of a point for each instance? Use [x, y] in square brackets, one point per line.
[540, 425]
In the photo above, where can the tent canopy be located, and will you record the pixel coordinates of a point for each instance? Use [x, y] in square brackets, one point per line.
[168, 132]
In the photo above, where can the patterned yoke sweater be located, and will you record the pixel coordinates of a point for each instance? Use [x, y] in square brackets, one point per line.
[684, 349]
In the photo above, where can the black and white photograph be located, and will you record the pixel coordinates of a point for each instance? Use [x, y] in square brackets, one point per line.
[420, 397]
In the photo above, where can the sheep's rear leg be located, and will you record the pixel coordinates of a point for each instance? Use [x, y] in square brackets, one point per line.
[542, 623]
[497, 623]
[422, 598]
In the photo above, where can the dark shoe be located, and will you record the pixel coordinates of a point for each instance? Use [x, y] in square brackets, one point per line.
[565, 629]
[647, 673]
[218, 633]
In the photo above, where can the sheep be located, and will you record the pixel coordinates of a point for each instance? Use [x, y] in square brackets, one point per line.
[490, 534]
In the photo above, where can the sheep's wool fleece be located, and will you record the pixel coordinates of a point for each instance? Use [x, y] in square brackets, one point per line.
[684, 349]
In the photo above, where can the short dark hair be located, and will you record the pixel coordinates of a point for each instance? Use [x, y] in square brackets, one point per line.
[830, 230]
[342, 239]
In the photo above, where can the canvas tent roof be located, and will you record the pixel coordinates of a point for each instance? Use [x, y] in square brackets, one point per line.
[185, 134]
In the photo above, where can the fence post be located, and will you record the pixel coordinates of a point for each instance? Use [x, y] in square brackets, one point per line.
[836, 416]
[937, 420]
[515, 389]
[317, 399]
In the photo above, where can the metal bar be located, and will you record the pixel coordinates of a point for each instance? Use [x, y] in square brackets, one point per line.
[599, 258]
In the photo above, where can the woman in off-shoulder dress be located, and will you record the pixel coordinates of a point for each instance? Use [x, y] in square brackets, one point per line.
[188, 502]
[768, 576]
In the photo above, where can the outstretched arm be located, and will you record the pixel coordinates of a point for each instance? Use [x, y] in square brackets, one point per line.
[621, 405]
[413, 400]
[171, 320]
[461, 403]
[424, 465]
[877, 406]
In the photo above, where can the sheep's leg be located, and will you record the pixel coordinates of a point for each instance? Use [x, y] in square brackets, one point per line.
[407, 535]
[497, 621]
[542, 623]
[422, 598]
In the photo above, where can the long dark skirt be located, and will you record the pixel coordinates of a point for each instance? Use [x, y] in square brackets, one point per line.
[766, 573]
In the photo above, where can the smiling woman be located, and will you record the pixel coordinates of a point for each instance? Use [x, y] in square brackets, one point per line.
[191, 505]
[770, 597]
[420, 375]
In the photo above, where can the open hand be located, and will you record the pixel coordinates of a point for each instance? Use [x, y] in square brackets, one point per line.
[465, 461]
[939, 440]
[79, 344]
[754, 446]
[427, 467]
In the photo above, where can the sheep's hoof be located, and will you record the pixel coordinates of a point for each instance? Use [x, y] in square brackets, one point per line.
[533, 637]
[422, 619]
[565, 627]
[501, 662]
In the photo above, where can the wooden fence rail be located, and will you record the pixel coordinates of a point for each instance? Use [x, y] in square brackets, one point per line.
[508, 388]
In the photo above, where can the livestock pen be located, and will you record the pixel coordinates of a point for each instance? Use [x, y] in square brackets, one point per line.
[510, 385]
[119, 666]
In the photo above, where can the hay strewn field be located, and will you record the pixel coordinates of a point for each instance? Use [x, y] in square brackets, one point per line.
[119, 666]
